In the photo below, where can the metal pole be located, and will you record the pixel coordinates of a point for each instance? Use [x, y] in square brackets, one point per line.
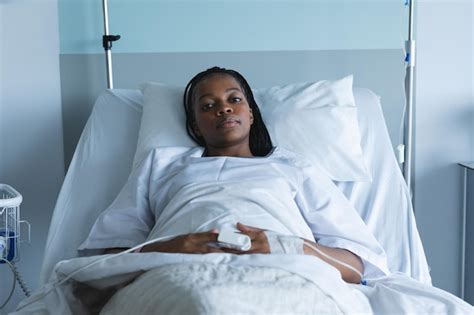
[463, 240]
[407, 166]
[108, 51]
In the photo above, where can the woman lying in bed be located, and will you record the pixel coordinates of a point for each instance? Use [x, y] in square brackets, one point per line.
[235, 179]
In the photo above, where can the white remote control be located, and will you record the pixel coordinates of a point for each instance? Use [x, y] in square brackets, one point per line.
[231, 239]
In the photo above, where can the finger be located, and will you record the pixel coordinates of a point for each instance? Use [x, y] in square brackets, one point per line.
[247, 228]
[212, 249]
[259, 247]
[210, 236]
[254, 233]
[213, 231]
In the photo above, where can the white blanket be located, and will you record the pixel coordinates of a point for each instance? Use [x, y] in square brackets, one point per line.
[97, 281]
[186, 283]
[201, 288]
[178, 191]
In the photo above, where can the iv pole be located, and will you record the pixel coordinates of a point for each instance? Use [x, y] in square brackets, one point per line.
[107, 40]
[410, 59]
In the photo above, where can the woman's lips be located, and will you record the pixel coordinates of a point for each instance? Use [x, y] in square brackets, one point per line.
[228, 123]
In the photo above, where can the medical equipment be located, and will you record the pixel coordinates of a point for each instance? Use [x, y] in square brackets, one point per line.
[230, 238]
[10, 223]
[410, 60]
[10, 234]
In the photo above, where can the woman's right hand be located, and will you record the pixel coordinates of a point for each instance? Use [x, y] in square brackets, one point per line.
[195, 243]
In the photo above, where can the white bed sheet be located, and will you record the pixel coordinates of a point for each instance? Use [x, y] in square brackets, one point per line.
[227, 284]
[103, 160]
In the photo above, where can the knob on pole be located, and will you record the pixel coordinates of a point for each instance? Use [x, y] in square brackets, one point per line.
[107, 41]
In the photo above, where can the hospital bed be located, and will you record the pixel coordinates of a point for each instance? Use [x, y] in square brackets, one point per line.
[100, 166]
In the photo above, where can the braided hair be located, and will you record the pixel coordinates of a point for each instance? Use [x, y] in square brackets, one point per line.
[259, 138]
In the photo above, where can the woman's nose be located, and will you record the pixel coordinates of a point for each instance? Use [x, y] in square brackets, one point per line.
[224, 109]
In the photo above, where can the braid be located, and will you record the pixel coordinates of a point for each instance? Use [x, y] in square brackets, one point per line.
[259, 138]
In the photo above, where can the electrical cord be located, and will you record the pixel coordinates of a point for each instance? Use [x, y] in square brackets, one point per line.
[58, 283]
[22, 282]
[16, 277]
[337, 261]
[13, 283]
[130, 250]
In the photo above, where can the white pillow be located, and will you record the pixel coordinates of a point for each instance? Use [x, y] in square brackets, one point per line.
[317, 120]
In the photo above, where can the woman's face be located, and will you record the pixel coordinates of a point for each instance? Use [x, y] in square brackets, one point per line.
[222, 114]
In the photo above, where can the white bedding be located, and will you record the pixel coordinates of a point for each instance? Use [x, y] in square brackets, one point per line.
[385, 204]
[201, 284]
[220, 289]
[112, 130]
[178, 191]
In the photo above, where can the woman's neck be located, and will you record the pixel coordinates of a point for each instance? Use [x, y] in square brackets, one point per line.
[228, 151]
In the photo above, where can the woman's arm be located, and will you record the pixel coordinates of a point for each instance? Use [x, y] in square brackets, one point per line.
[343, 255]
[337, 224]
[260, 245]
[195, 243]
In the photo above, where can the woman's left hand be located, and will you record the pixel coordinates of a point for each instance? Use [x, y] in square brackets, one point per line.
[257, 236]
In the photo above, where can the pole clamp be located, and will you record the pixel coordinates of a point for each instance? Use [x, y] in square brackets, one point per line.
[411, 50]
[107, 41]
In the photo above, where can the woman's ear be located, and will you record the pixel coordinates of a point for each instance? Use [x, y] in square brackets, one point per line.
[251, 116]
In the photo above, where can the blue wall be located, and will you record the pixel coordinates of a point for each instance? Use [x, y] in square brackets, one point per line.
[233, 25]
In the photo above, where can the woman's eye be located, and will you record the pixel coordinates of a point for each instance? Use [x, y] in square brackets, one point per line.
[207, 106]
[236, 99]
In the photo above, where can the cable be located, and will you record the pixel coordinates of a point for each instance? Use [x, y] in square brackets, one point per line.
[22, 282]
[107, 257]
[333, 259]
[13, 283]
[115, 255]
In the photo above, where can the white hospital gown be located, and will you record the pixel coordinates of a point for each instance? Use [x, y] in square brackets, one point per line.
[177, 191]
